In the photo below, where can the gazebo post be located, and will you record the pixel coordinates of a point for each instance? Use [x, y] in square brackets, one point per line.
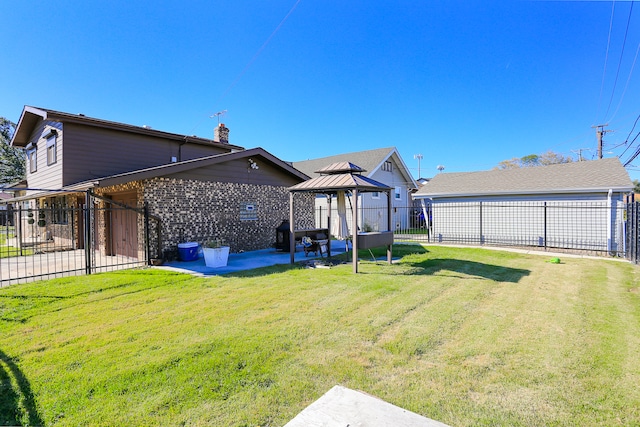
[292, 237]
[389, 223]
[329, 225]
[354, 234]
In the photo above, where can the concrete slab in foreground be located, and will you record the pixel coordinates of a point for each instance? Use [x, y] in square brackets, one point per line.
[343, 407]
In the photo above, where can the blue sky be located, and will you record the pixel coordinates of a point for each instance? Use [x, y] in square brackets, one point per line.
[466, 84]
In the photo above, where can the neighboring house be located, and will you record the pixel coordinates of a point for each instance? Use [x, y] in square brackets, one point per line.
[383, 165]
[572, 205]
[198, 188]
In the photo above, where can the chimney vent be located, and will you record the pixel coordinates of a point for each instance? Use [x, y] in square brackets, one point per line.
[221, 134]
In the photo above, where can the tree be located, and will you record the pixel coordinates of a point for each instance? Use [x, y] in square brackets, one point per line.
[636, 186]
[12, 159]
[531, 160]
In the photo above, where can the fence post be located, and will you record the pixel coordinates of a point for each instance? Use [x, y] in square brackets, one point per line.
[18, 226]
[481, 236]
[545, 226]
[146, 232]
[88, 205]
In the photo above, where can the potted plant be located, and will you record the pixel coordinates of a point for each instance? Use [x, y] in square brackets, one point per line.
[216, 253]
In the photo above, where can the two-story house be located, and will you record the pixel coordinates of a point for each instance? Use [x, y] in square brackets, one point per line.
[198, 188]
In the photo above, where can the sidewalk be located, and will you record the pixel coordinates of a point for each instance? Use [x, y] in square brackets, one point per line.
[247, 261]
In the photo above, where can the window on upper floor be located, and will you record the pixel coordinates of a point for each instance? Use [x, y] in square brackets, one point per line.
[32, 157]
[387, 166]
[375, 194]
[52, 153]
[398, 193]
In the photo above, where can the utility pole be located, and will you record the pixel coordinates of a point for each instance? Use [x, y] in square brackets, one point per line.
[600, 132]
[579, 152]
[419, 157]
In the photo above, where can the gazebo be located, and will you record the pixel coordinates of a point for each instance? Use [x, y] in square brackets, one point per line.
[340, 178]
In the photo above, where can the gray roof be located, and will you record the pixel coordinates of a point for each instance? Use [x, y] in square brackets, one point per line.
[368, 160]
[577, 177]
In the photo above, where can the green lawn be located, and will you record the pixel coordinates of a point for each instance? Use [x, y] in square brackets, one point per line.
[465, 336]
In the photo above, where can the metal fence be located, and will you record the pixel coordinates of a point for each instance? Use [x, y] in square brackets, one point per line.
[56, 241]
[632, 240]
[588, 227]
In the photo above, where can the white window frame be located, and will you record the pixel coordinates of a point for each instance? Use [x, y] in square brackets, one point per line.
[52, 147]
[32, 155]
[398, 193]
[375, 194]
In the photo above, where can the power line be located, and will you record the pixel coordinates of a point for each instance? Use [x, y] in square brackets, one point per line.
[624, 42]
[606, 59]
[628, 136]
[634, 154]
[627, 84]
[252, 60]
[255, 56]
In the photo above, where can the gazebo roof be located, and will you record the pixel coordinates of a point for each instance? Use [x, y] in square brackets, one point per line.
[339, 177]
[340, 167]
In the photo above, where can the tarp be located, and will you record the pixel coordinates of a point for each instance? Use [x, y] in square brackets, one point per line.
[339, 226]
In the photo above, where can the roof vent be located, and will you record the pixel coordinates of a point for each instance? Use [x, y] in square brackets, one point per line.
[146, 127]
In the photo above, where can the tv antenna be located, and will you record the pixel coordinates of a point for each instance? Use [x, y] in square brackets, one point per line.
[218, 114]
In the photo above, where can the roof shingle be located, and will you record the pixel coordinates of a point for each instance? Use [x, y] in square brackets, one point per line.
[587, 176]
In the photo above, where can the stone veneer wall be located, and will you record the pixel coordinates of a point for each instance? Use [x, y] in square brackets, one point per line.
[200, 211]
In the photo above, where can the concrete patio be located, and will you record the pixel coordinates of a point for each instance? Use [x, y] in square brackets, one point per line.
[248, 260]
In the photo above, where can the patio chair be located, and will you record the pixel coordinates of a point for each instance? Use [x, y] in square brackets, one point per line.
[317, 244]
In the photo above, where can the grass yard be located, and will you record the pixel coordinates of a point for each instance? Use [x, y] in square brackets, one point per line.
[464, 336]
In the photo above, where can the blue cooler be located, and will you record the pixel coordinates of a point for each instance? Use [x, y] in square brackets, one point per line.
[188, 251]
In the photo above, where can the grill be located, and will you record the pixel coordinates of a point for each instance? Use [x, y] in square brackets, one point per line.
[283, 237]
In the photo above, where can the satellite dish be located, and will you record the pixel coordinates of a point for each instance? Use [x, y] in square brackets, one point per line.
[440, 168]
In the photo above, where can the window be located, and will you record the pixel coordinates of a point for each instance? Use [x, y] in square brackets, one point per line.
[387, 166]
[58, 209]
[398, 193]
[32, 155]
[52, 155]
[375, 195]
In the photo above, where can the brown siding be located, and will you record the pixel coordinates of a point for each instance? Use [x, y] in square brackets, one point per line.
[239, 171]
[91, 152]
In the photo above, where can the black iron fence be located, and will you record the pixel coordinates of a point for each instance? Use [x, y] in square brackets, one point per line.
[632, 240]
[52, 241]
[588, 227]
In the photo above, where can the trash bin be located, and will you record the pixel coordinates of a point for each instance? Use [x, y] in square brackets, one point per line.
[188, 251]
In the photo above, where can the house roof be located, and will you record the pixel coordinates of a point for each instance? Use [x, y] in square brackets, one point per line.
[186, 165]
[577, 177]
[369, 160]
[31, 115]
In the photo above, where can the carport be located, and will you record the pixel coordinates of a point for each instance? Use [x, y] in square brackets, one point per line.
[336, 179]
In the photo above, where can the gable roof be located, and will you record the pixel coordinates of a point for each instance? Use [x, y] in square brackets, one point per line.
[369, 160]
[577, 177]
[187, 165]
[31, 115]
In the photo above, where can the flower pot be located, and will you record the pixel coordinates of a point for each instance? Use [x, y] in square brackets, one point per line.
[216, 257]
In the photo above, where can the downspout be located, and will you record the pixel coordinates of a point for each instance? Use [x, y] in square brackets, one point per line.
[609, 219]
